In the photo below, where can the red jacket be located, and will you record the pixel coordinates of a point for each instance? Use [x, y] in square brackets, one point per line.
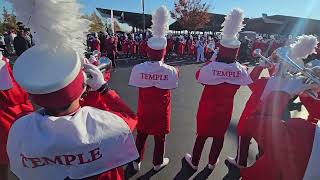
[154, 109]
[287, 145]
[95, 45]
[14, 104]
[257, 88]
[111, 102]
[312, 107]
[143, 48]
[215, 109]
[181, 48]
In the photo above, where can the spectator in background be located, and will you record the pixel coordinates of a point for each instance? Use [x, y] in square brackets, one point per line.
[21, 43]
[8, 39]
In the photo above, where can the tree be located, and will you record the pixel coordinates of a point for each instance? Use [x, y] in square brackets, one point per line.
[192, 15]
[96, 22]
[8, 22]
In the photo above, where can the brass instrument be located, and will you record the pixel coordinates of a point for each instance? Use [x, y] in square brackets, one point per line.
[257, 53]
[282, 55]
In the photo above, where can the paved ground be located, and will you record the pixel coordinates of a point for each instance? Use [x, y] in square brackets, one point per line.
[181, 139]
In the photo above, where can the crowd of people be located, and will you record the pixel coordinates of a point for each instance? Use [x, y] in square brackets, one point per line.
[84, 130]
[134, 45]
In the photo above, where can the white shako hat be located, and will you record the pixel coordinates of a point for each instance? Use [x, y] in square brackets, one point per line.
[229, 44]
[51, 71]
[160, 26]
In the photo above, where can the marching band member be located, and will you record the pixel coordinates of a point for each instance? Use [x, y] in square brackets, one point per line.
[221, 79]
[111, 47]
[143, 47]
[181, 45]
[311, 104]
[125, 45]
[71, 138]
[95, 43]
[170, 44]
[272, 45]
[14, 103]
[258, 88]
[191, 46]
[290, 148]
[154, 79]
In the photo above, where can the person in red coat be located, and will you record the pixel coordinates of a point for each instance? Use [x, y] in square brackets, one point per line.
[310, 103]
[191, 46]
[125, 45]
[111, 47]
[143, 48]
[259, 44]
[221, 80]
[257, 88]
[170, 43]
[95, 43]
[154, 79]
[181, 45]
[291, 149]
[133, 46]
[92, 152]
[14, 103]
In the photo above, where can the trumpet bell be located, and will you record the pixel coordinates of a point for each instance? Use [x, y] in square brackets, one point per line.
[211, 46]
[256, 53]
[105, 64]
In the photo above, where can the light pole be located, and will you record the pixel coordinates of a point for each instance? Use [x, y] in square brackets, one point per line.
[144, 18]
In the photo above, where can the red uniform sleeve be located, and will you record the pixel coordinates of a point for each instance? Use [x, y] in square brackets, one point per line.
[197, 74]
[254, 75]
[265, 124]
[111, 102]
[118, 107]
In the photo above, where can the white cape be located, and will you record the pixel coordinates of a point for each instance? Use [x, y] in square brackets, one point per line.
[5, 79]
[154, 74]
[77, 146]
[216, 73]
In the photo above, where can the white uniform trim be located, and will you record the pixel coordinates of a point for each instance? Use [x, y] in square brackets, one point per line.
[82, 145]
[154, 74]
[216, 73]
[5, 79]
[313, 169]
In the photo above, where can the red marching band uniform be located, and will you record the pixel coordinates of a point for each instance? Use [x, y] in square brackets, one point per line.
[221, 79]
[14, 103]
[154, 79]
[181, 46]
[73, 136]
[290, 148]
[191, 47]
[257, 88]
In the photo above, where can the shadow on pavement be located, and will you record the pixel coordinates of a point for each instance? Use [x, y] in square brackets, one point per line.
[185, 172]
[204, 174]
[148, 175]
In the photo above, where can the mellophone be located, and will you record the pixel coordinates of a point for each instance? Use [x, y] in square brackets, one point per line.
[104, 63]
[282, 55]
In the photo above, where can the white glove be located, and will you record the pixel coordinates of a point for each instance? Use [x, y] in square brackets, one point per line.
[293, 86]
[96, 80]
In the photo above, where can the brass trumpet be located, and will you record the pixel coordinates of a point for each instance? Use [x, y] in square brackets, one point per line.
[311, 78]
[105, 64]
[282, 55]
[257, 53]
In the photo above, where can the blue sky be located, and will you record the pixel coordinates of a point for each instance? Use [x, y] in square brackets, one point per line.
[252, 8]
